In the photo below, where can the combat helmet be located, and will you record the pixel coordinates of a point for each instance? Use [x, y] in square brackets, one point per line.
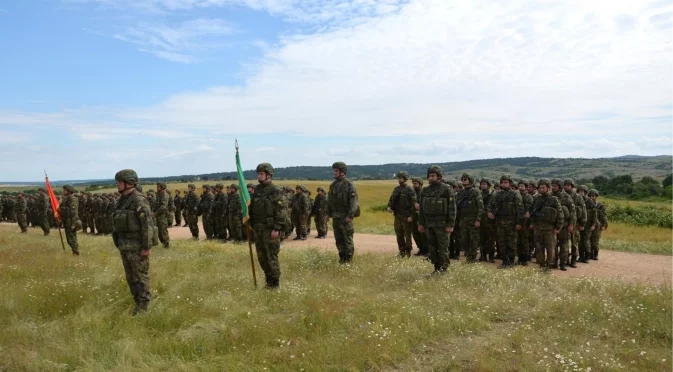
[417, 179]
[593, 192]
[543, 181]
[161, 184]
[468, 177]
[234, 186]
[436, 169]
[219, 186]
[557, 181]
[569, 181]
[506, 177]
[69, 187]
[340, 166]
[127, 175]
[266, 168]
[403, 175]
[487, 181]
[191, 185]
[320, 188]
[582, 188]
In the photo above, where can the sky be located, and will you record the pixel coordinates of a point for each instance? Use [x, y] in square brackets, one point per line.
[89, 87]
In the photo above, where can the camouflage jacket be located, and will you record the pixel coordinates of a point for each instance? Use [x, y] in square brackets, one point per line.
[234, 206]
[206, 203]
[267, 208]
[191, 203]
[403, 201]
[218, 203]
[507, 206]
[133, 225]
[342, 199]
[568, 207]
[602, 215]
[171, 202]
[546, 212]
[68, 210]
[592, 212]
[438, 206]
[301, 206]
[526, 199]
[42, 204]
[21, 205]
[469, 204]
[319, 206]
[580, 208]
[160, 206]
[177, 201]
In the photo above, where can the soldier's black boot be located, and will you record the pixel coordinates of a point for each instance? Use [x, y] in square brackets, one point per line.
[523, 260]
[572, 262]
[563, 267]
[555, 264]
[491, 258]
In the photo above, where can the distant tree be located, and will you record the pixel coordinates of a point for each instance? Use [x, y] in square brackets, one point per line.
[668, 181]
[647, 180]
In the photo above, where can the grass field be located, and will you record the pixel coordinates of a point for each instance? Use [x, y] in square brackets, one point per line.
[64, 313]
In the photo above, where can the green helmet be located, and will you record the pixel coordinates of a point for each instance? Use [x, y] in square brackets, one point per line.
[266, 168]
[219, 186]
[593, 192]
[468, 177]
[340, 166]
[191, 185]
[127, 175]
[320, 188]
[69, 187]
[569, 181]
[417, 179]
[402, 174]
[544, 181]
[557, 181]
[487, 181]
[233, 186]
[522, 182]
[250, 186]
[436, 169]
[582, 188]
[161, 184]
[506, 177]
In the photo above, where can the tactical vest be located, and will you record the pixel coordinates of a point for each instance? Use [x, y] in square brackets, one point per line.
[468, 208]
[126, 224]
[262, 211]
[435, 208]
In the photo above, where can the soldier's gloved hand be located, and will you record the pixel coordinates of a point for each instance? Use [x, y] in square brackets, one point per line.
[581, 228]
[593, 228]
[145, 252]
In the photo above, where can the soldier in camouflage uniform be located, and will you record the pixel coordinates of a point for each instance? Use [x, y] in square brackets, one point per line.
[421, 239]
[523, 247]
[602, 224]
[454, 236]
[343, 205]
[20, 210]
[547, 219]
[160, 213]
[68, 210]
[171, 208]
[581, 219]
[487, 230]
[235, 214]
[91, 213]
[402, 203]
[437, 217]
[310, 207]
[42, 209]
[268, 219]
[319, 212]
[177, 202]
[300, 209]
[191, 204]
[506, 208]
[134, 234]
[81, 211]
[206, 207]
[470, 210]
[589, 226]
[562, 245]
[531, 186]
[218, 212]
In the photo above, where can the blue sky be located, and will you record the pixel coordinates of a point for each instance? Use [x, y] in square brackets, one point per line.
[89, 87]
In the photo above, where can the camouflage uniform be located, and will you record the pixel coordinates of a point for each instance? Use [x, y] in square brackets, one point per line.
[171, 209]
[342, 206]
[402, 203]
[421, 239]
[581, 215]
[82, 212]
[218, 213]
[602, 224]
[68, 210]
[308, 213]
[589, 226]
[20, 210]
[437, 214]
[91, 213]
[177, 202]
[206, 207]
[470, 209]
[319, 212]
[562, 245]
[235, 214]
[507, 208]
[42, 207]
[546, 217]
[191, 204]
[134, 232]
[487, 230]
[268, 214]
[523, 247]
[160, 210]
[301, 208]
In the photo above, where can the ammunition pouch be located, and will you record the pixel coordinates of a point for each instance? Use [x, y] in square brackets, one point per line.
[549, 214]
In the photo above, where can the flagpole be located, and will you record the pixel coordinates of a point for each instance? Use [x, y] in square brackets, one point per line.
[46, 178]
[248, 230]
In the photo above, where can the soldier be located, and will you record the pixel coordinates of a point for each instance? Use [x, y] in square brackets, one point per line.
[437, 217]
[342, 206]
[421, 239]
[81, 211]
[160, 213]
[177, 202]
[589, 226]
[506, 208]
[68, 210]
[319, 212]
[402, 203]
[547, 220]
[602, 224]
[307, 192]
[91, 213]
[235, 214]
[134, 234]
[42, 210]
[206, 208]
[532, 239]
[191, 203]
[268, 219]
[470, 210]
[523, 247]
[581, 219]
[300, 208]
[171, 208]
[487, 230]
[569, 219]
[20, 209]
[454, 237]
[218, 213]
[251, 188]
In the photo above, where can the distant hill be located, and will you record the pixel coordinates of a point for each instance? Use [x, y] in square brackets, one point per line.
[657, 167]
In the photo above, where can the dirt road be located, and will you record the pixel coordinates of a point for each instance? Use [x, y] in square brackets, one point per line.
[633, 267]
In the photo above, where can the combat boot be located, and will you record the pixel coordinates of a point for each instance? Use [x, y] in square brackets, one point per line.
[572, 262]
[563, 267]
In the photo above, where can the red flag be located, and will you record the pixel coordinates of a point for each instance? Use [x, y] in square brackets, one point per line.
[52, 197]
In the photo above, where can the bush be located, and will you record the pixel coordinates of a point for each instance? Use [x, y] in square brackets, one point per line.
[640, 215]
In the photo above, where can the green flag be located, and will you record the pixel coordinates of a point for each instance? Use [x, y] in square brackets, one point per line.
[242, 188]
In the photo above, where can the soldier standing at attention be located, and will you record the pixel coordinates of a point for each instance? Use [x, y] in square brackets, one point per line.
[342, 206]
[177, 201]
[589, 225]
[402, 203]
[134, 235]
[69, 210]
[191, 203]
[171, 209]
[522, 241]
[300, 209]
[562, 245]
[487, 230]
[206, 207]
[602, 224]
[581, 219]
[20, 208]
[547, 220]
[506, 208]
[43, 210]
[319, 212]
[268, 219]
[160, 210]
[218, 212]
[235, 213]
[421, 239]
[437, 218]
[470, 207]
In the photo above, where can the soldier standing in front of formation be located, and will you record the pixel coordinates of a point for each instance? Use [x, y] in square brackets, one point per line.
[133, 234]
[69, 210]
[602, 224]
[177, 201]
[437, 218]
[43, 210]
[160, 210]
[268, 219]
[343, 206]
[506, 208]
[547, 220]
[20, 209]
[300, 208]
[319, 211]
[420, 239]
[569, 219]
[235, 213]
[589, 225]
[581, 219]
[206, 207]
[191, 203]
[470, 210]
[402, 203]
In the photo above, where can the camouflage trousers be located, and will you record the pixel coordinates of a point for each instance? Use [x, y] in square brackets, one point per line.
[162, 226]
[585, 243]
[208, 225]
[170, 217]
[299, 222]
[192, 221]
[595, 243]
[220, 224]
[522, 243]
[22, 220]
[137, 270]
[43, 222]
[562, 246]
[487, 234]
[184, 216]
[267, 253]
[546, 238]
[71, 237]
[420, 238]
[507, 236]
[438, 244]
[403, 230]
[85, 222]
[235, 227]
[469, 238]
[454, 242]
[320, 224]
[308, 224]
[575, 239]
[92, 223]
[178, 217]
[343, 235]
